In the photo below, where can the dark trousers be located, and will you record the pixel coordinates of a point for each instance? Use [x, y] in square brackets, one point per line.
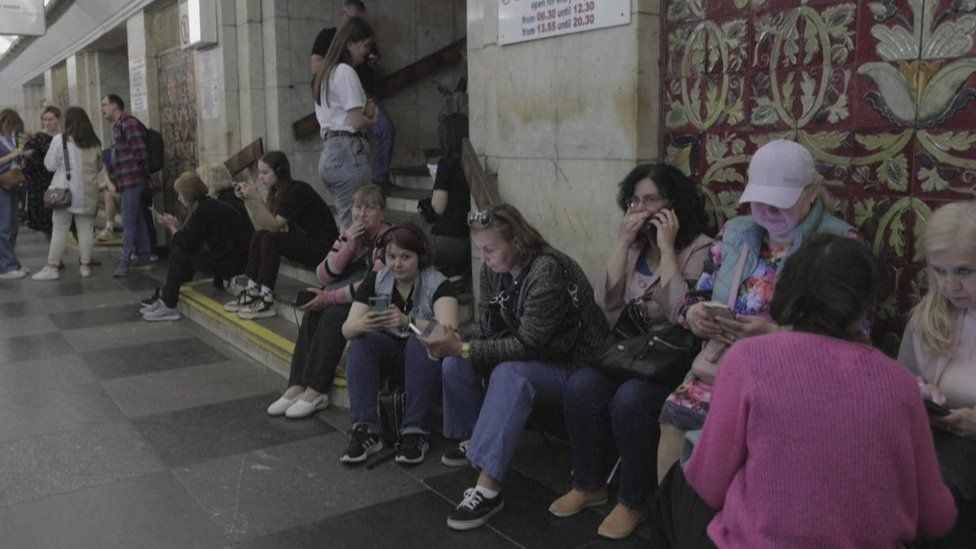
[603, 412]
[146, 202]
[182, 266]
[318, 348]
[682, 515]
[957, 462]
[267, 249]
[375, 356]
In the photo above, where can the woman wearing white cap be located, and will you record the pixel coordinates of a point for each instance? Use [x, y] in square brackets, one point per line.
[783, 194]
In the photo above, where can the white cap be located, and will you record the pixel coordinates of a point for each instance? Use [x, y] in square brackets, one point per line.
[778, 173]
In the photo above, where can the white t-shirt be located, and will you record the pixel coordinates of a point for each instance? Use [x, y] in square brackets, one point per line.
[345, 93]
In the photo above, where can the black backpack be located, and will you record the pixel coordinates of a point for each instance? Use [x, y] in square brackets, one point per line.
[154, 142]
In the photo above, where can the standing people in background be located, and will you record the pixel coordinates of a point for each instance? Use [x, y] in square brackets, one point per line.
[344, 113]
[213, 239]
[320, 342]
[447, 207]
[38, 178]
[814, 438]
[11, 128]
[383, 130]
[77, 171]
[659, 254]
[294, 223]
[110, 198]
[539, 318]
[939, 347]
[129, 172]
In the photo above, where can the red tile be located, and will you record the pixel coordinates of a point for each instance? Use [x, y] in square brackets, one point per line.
[774, 100]
[941, 162]
[871, 110]
[826, 103]
[883, 162]
[900, 18]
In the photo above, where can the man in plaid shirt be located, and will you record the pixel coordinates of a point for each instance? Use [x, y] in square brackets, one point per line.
[129, 172]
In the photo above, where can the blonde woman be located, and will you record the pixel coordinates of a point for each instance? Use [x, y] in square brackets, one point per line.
[939, 346]
[75, 158]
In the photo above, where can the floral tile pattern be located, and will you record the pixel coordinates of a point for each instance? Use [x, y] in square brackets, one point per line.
[883, 93]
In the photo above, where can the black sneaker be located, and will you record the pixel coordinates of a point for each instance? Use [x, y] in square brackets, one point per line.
[262, 307]
[151, 300]
[362, 445]
[412, 450]
[457, 456]
[474, 510]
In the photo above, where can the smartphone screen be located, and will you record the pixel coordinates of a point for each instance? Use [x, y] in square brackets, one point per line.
[718, 310]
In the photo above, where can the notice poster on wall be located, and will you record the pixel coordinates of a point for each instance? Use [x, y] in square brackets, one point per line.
[138, 87]
[22, 17]
[522, 20]
[208, 79]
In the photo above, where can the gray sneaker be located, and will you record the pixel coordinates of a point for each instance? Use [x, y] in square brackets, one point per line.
[160, 313]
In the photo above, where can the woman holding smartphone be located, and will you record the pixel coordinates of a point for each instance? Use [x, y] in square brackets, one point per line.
[381, 344]
[11, 126]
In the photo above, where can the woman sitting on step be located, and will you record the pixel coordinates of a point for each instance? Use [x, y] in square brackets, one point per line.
[320, 341]
[407, 291]
[213, 240]
[294, 223]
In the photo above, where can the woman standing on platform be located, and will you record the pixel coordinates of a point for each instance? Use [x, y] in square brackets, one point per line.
[75, 158]
[11, 126]
[38, 178]
[344, 113]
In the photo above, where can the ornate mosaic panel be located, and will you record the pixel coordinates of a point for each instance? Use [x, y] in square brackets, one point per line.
[178, 114]
[880, 92]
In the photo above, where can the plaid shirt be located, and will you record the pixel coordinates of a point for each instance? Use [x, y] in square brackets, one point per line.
[130, 153]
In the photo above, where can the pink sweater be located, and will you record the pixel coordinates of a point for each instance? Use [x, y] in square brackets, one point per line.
[816, 442]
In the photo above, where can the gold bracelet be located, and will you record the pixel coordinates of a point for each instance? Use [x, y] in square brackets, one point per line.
[465, 349]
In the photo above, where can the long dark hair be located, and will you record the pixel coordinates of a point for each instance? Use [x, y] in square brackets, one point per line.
[353, 29]
[827, 286]
[679, 190]
[278, 162]
[79, 128]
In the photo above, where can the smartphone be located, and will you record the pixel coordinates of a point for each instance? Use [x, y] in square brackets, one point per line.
[155, 212]
[434, 331]
[303, 297]
[379, 303]
[718, 310]
[936, 410]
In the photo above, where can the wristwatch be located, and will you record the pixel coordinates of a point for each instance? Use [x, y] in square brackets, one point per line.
[465, 349]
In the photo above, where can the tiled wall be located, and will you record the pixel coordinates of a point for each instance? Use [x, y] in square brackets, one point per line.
[880, 92]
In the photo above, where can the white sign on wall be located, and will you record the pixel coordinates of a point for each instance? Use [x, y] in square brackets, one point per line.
[198, 23]
[22, 17]
[522, 20]
[208, 83]
[138, 87]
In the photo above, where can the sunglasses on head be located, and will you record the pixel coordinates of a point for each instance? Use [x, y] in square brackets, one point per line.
[480, 220]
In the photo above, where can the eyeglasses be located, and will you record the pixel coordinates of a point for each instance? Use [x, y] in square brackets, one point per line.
[480, 220]
[648, 201]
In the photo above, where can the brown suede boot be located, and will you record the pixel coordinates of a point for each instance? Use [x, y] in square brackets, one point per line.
[621, 522]
[575, 501]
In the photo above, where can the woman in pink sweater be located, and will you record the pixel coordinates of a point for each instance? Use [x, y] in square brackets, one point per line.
[812, 439]
[320, 342]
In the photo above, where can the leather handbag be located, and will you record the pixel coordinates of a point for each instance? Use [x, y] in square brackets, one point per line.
[11, 178]
[57, 198]
[662, 356]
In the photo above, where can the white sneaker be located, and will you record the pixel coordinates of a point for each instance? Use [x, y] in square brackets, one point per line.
[280, 406]
[13, 275]
[151, 307]
[105, 234]
[161, 313]
[47, 273]
[262, 307]
[85, 271]
[303, 408]
[243, 299]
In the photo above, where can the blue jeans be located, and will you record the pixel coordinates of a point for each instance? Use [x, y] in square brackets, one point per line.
[344, 168]
[494, 419]
[9, 225]
[602, 411]
[385, 134]
[135, 233]
[375, 355]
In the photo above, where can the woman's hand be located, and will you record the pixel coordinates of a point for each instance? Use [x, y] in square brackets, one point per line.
[170, 222]
[373, 322]
[630, 225]
[667, 225]
[246, 190]
[744, 326]
[961, 422]
[394, 320]
[320, 302]
[445, 347]
[356, 230]
[15, 153]
[701, 323]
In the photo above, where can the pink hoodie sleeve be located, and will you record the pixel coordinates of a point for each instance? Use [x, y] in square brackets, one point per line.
[721, 452]
[334, 265]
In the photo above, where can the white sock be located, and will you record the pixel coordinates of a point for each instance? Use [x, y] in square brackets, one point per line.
[265, 291]
[252, 287]
[109, 226]
[489, 494]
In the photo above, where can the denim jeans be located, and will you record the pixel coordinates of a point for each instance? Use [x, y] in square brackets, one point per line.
[385, 134]
[603, 411]
[375, 355]
[344, 168]
[494, 419]
[9, 225]
[135, 233]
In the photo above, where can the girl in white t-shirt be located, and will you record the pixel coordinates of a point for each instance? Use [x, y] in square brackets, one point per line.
[344, 113]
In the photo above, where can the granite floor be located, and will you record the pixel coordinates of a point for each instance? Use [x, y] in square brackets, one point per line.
[115, 432]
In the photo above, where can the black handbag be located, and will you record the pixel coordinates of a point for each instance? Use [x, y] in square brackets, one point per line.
[663, 356]
[389, 405]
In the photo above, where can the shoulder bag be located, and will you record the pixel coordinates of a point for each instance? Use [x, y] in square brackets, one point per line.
[58, 198]
[13, 177]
